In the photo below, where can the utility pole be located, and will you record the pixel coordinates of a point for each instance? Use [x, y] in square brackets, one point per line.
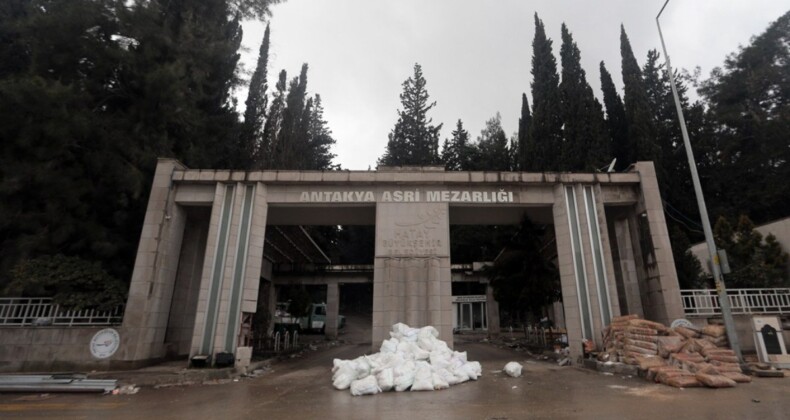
[724, 301]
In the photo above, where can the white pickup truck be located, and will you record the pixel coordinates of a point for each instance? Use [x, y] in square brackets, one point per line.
[314, 321]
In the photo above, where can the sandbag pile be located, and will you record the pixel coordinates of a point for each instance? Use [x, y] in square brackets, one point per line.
[681, 357]
[412, 359]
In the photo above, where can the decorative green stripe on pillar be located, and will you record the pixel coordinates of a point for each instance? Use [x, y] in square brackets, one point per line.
[216, 272]
[597, 253]
[578, 264]
[238, 270]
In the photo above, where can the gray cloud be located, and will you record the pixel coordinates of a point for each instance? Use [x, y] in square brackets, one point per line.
[475, 55]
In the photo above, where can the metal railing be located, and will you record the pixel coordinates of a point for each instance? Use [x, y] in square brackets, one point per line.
[705, 302]
[44, 312]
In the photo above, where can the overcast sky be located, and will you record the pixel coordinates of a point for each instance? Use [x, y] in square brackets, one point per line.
[476, 55]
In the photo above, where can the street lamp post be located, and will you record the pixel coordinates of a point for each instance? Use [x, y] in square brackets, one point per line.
[724, 301]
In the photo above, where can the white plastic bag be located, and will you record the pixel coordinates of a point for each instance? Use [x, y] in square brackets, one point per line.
[389, 346]
[423, 378]
[439, 381]
[385, 379]
[365, 386]
[473, 370]
[513, 369]
[404, 376]
[343, 377]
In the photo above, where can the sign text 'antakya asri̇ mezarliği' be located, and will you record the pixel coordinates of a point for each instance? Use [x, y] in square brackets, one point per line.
[400, 196]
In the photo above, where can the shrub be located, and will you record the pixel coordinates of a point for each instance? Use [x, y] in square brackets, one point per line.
[73, 282]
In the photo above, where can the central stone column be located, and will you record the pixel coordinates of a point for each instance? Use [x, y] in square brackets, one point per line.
[411, 280]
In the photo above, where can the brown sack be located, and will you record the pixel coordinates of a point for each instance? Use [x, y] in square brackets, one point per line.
[643, 344]
[664, 375]
[643, 323]
[707, 368]
[726, 367]
[683, 382]
[624, 318]
[714, 330]
[639, 350]
[641, 331]
[647, 362]
[687, 357]
[737, 377]
[692, 345]
[653, 371]
[685, 332]
[668, 345]
[640, 337]
[722, 358]
[710, 351]
[715, 381]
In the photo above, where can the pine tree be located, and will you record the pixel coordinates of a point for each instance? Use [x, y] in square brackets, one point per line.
[586, 143]
[753, 263]
[615, 119]
[545, 134]
[748, 112]
[493, 153]
[413, 140]
[456, 151]
[252, 143]
[524, 154]
[641, 130]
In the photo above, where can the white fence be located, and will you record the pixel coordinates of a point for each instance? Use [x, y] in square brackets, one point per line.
[43, 312]
[705, 302]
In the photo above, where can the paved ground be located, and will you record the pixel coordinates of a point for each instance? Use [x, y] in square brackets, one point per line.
[301, 389]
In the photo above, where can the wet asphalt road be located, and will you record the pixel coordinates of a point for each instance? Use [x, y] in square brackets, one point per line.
[301, 389]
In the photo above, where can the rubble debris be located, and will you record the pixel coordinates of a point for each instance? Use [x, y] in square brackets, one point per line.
[682, 357]
[413, 358]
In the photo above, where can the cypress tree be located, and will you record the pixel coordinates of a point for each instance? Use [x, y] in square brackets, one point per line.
[639, 116]
[291, 141]
[524, 154]
[586, 146]
[615, 119]
[545, 132]
[414, 140]
[320, 138]
[271, 129]
[251, 140]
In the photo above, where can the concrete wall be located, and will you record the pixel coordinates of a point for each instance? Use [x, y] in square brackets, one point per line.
[743, 326]
[779, 228]
[411, 275]
[186, 290]
[50, 349]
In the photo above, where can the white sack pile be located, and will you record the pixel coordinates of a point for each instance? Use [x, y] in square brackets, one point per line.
[413, 358]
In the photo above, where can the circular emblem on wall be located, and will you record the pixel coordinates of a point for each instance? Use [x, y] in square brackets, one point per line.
[104, 343]
[685, 323]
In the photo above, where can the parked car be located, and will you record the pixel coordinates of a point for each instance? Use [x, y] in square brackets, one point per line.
[314, 321]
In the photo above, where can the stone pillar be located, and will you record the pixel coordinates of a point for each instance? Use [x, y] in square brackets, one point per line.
[627, 260]
[411, 280]
[570, 295]
[606, 252]
[492, 312]
[662, 288]
[332, 309]
[232, 266]
[150, 292]
[585, 255]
